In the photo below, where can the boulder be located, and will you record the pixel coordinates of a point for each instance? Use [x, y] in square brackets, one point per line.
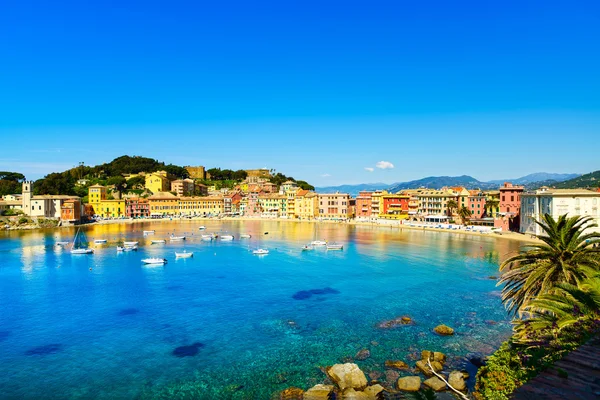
[409, 384]
[457, 380]
[319, 392]
[396, 364]
[362, 354]
[435, 383]
[424, 367]
[391, 376]
[347, 376]
[374, 391]
[392, 323]
[292, 393]
[433, 356]
[443, 330]
[351, 394]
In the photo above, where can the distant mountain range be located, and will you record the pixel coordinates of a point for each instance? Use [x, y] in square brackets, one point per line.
[530, 181]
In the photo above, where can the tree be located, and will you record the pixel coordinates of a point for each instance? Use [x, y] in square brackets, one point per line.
[137, 182]
[451, 205]
[118, 182]
[240, 175]
[465, 214]
[55, 183]
[12, 176]
[566, 256]
[177, 171]
[490, 206]
[304, 185]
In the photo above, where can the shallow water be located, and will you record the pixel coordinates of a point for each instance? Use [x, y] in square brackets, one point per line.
[230, 324]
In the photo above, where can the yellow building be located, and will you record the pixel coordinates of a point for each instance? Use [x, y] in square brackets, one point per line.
[306, 204]
[291, 203]
[166, 203]
[158, 182]
[273, 205]
[103, 207]
[163, 203]
[198, 172]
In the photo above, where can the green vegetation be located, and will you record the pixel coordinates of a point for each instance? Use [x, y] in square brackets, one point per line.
[591, 181]
[464, 213]
[217, 174]
[553, 291]
[10, 182]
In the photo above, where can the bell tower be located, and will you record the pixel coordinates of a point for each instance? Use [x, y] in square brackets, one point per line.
[27, 194]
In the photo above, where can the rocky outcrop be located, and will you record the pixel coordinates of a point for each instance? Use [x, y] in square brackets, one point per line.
[362, 354]
[424, 368]
[435, 383]
[409, 384]
[396, 364]
[319, 392]
[457, 381]
[292, 393]
[347, 376]
[374, 392]
[392, 323]
[351, 394]
[443, 330]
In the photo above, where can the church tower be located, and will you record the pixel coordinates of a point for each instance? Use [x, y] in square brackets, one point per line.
[27, 195]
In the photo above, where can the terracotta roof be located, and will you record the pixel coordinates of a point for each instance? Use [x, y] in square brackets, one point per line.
[163, 196]
[302, 192]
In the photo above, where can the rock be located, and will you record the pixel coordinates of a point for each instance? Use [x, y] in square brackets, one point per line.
[409, 384]
[362, 354]
[477, 360]
[391, 377]
[392, 323]
[433, 356]
[347, 376]
[457, 380]
[443, 330]
[319, 392]
[435, 383]
[396, 364]
[375, 375]
[351, 394]
[492, 277]
[374, 343]
[423, 367]
[374, 392]
[465, 374]
[292, 393]
[406, 319]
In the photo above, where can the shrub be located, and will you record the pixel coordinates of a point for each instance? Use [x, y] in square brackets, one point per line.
[23, 220]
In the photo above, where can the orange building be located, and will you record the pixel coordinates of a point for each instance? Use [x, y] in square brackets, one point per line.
[70, 211]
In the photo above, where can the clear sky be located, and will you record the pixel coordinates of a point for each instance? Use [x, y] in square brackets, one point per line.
[325, 91]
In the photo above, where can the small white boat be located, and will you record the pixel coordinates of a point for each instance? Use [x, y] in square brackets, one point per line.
[335, 246]
[61, 243]
[201, 228]
[149, 232]
[260, 251]
[207, 237]
[129, 244]
[127, 248]
[245, 236]
[227, 237]
[154, 260]
[319, 243]
[307, 247]
[185, 254]
[158, 241]
[174, 238]
[82, 251]
[99, 241]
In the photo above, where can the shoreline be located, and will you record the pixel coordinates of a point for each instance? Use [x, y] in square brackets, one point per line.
[513, 236]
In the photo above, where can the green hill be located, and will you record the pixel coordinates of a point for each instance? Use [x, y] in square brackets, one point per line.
[591, 181]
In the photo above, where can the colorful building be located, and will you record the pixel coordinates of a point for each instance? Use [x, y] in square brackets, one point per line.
[70, 211]
[252, 208]
[183, 187]
[306, 204]
[363, 204]
[272, 205]
[163, 203]
[394, 206]
[334, 205]
[157, 182]
[476, 203]
[137, 207]
[102, 206]
[435, 202]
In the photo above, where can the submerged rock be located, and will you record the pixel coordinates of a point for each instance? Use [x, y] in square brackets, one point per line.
[187, 351]
[396, 364]
[457, 380]
[306, 294]
[351, 394]
[443, 330]
[347, 376]
[398, 321]
[292, 393]
[44, 350]
[409, 384]
[363, 354]
[436, 384]
[391, 376]
[319, 392]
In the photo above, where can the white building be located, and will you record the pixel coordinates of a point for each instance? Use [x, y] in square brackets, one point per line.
[47, 206]
[557, 202]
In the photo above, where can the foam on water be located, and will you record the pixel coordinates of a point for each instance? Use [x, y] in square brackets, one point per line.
[230, 324]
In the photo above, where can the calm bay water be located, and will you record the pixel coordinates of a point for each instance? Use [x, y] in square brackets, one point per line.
[111, 332]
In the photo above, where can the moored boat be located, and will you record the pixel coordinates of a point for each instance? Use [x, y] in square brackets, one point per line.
[82, 251]
[158, 241]
[174, 238]
[201, 228]
[127, 248]
[260, 251]
[319, 243]
[207, 237]
[245, 236]
[80, 245]
[227, 237]
[335, 246]
[184, 254]
[129, 244]
[99, 241]
[154, 260]
[307, 247]
[149, 232]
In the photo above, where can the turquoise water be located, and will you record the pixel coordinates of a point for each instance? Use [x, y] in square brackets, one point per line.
[230, 324]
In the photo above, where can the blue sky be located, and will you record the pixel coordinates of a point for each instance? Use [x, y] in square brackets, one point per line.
[322, 91]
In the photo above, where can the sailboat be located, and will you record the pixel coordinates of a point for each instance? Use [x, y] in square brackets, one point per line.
[79, 245]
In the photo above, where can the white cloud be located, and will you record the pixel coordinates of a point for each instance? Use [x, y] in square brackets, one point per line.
[325, 176]
[369, 169]
[384, 165]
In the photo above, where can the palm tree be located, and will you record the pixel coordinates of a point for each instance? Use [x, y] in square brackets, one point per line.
[451, 205]
[566, 256]
[491, 205]
[564, 306]
[464, 213]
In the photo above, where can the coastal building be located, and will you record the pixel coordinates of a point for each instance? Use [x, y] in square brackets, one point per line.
[231, 202]
[157, 182]
[163, 203]
[137, 207]
[13, 197]
[363, 204]
[376, 206]
[272, 205]
[508, 216]
[252, 208]
[306, 204]
[291, 203]
[557, 202]
[204, 206]
[47, 206]
[334, 205]
[198, 172]
[288, 186]
[71, 211]
[183, 187]
[102, 206]
[394, 206]
[435, 202]
[475, 203]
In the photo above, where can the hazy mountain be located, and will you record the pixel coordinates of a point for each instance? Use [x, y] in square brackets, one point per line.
[537, 177]
[352, 189]
[437, 182]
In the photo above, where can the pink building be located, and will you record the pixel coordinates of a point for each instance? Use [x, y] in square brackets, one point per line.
[363, 204]
[510, 207]
[136, 208]
[334, 205]
[476, 203]
[253, 208]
